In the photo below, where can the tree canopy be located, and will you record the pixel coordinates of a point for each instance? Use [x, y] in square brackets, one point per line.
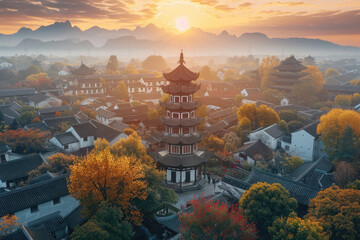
[266, 68]
[211, 220]
[156, 63]
[112, 66]
[338, 212]
[263, 203]
[295, 228]
[259, 116]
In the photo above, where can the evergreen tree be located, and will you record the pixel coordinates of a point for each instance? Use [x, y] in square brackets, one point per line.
[345, 150]
[15, 124]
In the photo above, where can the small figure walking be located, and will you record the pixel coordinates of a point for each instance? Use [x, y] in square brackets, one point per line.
[209, 179]
[214, 182]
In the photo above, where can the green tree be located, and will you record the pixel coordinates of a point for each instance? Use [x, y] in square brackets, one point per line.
[283, 126]
[107, 224]
[121, 91]
[273, 96]
[289, 115]
[263, 203]
[338, 212]
[346, 149]
[295, 125]
[154, 62]
[295, 228]
[15, 125]
[112, 66]
[25, 118]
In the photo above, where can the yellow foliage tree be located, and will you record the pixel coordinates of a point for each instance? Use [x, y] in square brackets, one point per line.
[266, 68]
[259, 116]
[333, 124]
[8, 224]
[102, 177]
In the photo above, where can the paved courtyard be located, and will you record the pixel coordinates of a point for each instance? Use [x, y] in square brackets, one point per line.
[207, 190]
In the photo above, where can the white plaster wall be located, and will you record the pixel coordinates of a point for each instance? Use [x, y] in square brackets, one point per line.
[66, 206]
[302, 145]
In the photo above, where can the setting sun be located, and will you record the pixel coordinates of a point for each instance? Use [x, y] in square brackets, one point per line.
[182, 24]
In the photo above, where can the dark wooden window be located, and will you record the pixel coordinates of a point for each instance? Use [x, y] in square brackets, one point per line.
[34, 209]
[56, 201]
[173, 176]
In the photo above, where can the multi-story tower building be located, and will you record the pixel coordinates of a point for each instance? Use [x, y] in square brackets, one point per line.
[181, 159]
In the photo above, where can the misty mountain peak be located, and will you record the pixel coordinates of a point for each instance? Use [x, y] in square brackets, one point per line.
[254, 35]
[24, 30]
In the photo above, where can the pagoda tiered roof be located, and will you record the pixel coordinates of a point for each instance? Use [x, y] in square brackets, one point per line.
[181, 73]
[290, 64]
[282, 74]
[185, 139]
[180, 106]
[185, 160]
[188, 88]
[190, 122]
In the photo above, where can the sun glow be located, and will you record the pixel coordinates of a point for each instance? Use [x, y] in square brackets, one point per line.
[182, 24]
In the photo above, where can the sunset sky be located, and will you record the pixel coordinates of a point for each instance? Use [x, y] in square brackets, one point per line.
[333, 20]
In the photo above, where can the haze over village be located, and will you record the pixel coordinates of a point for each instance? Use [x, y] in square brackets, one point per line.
[194, 120]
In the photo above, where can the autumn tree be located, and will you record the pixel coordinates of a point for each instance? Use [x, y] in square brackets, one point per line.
[112, 66]
[213, 143]
[332, 127]
[8, 224]
[331, 72]
[295, 228]
[259, 116]
[107, 224]
[266, 68]
[338, 212]
[263, 203]
[103, 177]
[273, 96]
[212, 220]
[25, 141]
[154, 62]
[130, 69]
[121, 91]
[207, 74]
[344, 173]
[343, 100]
[283, 126]
[292, 163]
[231, 142]
[238, 99]
[290, 115]
[157, 194]
[56, 163]
[40, 81]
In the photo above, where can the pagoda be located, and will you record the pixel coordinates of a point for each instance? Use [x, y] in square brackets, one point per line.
[287, 74]
[181, 159]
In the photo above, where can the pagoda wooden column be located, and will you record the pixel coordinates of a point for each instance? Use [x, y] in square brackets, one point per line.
[180, 179]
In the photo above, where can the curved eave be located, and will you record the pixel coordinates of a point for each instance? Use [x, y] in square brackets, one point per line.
[290, 74]
[181, 73]
[185, 160]
[180, 106]
[181, 122]
[190, 139]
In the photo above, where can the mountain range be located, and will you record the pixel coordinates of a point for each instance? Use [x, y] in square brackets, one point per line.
[61, 38]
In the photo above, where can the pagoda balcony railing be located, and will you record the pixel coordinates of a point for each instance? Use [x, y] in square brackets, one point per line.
[174, 122]
[190, 88]
[178, 106]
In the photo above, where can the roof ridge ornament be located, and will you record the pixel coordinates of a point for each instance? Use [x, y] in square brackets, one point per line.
[181, 61]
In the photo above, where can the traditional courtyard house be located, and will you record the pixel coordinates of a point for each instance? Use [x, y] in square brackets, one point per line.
[287, 74]
[306, 143]
[57, 122]
[44, 100]
[118, 125]
[271, 136]
[220, 114]
[252, 152]
[181, 159]
[153, 97]
[83, 135]
[16, 171]
[40, 126]
[22, 94]
[105, 116]
[153, 84]
[51, 111]
[137, 87]
[10, 112]
[332, 90]
[150, 125]
[39, 200]
[89, 86]
[218, 89]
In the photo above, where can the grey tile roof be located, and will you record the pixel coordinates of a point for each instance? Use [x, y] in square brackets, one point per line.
[75, 218]
[118, 125]
[322, 164]
[17, 235]
[310, 128]
[274, 131]
[105, 113]
[61, 108]
[221, 113]
[56, 121]
[38, 98]
[4, 148]
[36, 233]
[341, 88]
[19, 168]
[301, 192]
[44, 177]
[217, 127]
[95, 128]
[17, 92]
[66, 138]
[255, 148]
[31, 195]
[236, 182]
[10, 112]
[41, 126]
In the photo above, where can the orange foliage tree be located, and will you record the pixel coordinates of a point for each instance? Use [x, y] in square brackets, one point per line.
[259, 116]
[25, 141]
[338, 212]
[102, 177]
[8, 224]
[39, 81]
